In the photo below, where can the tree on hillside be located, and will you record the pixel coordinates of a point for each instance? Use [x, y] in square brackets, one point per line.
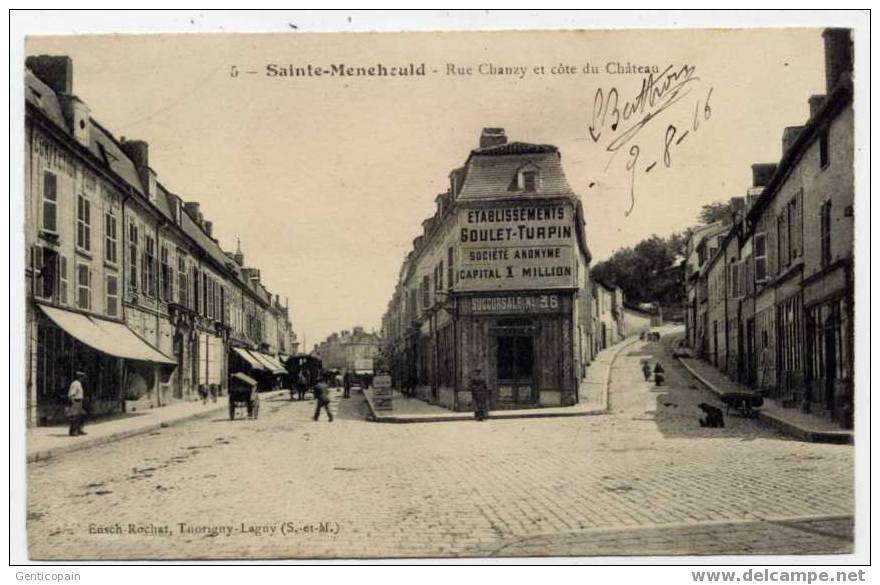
[716, 211]
[651, 271]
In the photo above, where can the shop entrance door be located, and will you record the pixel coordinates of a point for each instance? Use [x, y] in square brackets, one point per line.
[515, 362]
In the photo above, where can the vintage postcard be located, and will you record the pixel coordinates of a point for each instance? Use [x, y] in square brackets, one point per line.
[440, 295]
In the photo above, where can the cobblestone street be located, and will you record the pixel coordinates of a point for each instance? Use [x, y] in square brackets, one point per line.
[643, 478]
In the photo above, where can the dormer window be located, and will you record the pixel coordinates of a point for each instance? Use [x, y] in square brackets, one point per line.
[528, 178]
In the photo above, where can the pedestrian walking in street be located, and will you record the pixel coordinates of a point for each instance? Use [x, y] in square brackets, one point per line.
[659, 374]
[323, 400]
[646, 370]
[479, 395]
[76, 411]
[203, 393]
[301, 385]
[346, 385]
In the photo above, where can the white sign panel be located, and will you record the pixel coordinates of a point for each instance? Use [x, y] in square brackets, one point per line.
[516, 247]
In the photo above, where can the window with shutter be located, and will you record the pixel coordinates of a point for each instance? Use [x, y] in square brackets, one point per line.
[112, 295]
[825, 233]
[50, 202]
[62, 280]
[133, 257]
[83, 287]
[83, 223]
[450, 254]
[110, 238]
[760, 257]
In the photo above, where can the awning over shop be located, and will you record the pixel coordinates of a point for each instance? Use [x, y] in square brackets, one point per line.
[253, 362]
[109, 337]
[269, 362]
[276, 362]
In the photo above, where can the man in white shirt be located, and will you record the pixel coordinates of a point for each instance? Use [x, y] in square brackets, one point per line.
[76, 412]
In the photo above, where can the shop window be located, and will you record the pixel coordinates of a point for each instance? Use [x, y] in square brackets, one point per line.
[515, 358]
[50, 202]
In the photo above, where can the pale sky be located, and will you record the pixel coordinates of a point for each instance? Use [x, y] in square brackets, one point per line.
[326, 180]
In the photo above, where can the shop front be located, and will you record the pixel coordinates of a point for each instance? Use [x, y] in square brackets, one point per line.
[522, 345]
[115, 360]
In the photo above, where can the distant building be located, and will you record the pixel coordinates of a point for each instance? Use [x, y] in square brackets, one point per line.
[351, 351]
[608, 319]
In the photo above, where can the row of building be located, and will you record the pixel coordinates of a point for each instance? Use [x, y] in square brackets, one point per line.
[770, 291]
[349, 351]
[498, 286]
[125, 279]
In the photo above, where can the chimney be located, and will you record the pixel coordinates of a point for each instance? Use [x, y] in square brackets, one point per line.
[54, 71]
[239, 255]
[762, 173]
[201, 220]
[492, 137]
[838, 55]
[138, 151]
[815, 102]
[77, 115]
[192, 209]
[209, 228]
[789, 135]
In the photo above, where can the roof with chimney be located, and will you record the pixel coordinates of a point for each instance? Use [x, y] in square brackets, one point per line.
[107, 152]
[102, 144]
[491, 172]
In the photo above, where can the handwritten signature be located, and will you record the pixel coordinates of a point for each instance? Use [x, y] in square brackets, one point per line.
[622, 120]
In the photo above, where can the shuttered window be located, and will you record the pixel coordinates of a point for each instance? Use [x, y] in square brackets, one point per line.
[50, 202]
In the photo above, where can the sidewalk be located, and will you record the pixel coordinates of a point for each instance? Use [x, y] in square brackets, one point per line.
[593, 392]
[45, 442]
[804, 426]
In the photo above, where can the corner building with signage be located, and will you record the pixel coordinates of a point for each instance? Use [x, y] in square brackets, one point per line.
[498, 281]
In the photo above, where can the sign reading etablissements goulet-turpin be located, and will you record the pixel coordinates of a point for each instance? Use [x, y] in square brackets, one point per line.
[516, 247]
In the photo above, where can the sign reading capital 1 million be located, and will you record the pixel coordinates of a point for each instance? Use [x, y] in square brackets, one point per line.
[516, 247]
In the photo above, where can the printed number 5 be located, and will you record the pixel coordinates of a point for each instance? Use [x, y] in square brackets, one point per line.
[233, 72]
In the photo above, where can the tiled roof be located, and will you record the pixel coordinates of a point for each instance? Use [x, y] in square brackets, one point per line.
[117, 160]
[41, 96]
[491, 172]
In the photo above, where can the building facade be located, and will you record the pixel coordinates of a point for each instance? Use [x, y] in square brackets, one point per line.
[775, 298]
[352, 351]
[497, 283]
[125, 279]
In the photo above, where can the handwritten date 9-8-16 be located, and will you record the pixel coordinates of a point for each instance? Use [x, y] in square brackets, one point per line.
[673, 137]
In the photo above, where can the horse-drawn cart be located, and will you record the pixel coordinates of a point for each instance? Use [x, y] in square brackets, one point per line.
[243, 393]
